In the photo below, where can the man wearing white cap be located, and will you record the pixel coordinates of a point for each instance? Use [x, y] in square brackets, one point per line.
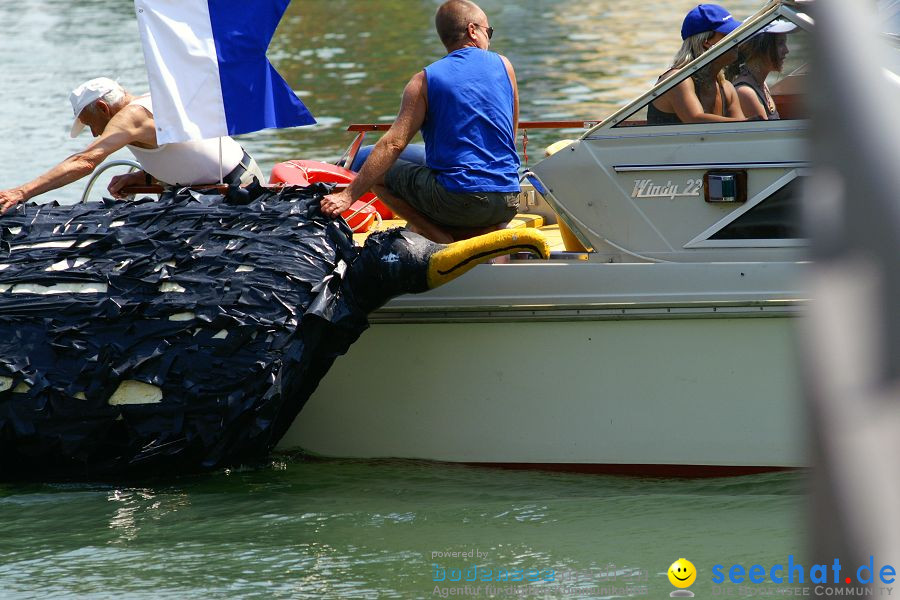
[117, 119]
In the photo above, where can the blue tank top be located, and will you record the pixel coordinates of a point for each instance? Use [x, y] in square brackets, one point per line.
[468, 131]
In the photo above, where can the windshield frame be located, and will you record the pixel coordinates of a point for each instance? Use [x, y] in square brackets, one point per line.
[791, 11]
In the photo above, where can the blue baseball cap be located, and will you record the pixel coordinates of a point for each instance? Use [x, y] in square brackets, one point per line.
[708, 17]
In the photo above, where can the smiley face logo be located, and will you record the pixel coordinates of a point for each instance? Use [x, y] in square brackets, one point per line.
[682, 573]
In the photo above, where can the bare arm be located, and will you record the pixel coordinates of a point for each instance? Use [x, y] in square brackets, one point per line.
[515, 88]
[410, 119]
[750, 104]
[732, 102]
[683, 101]
[124, 128]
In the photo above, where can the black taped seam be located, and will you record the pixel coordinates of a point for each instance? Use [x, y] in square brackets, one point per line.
[480, 255]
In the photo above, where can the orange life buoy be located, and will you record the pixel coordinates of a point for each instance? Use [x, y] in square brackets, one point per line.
[306, 172]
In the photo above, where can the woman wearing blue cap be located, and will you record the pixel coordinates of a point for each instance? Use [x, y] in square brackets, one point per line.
[706, 96]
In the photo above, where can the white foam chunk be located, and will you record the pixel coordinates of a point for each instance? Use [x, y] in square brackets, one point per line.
[63, 265]
[135, 392]
[60, 288]
[40, 245]
[161, 266]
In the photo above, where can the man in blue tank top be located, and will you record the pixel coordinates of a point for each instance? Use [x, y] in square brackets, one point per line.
[467, 107]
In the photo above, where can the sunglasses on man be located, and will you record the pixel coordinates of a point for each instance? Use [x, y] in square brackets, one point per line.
[488, 30]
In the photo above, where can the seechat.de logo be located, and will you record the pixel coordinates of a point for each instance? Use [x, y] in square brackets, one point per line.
[682, 574]
[793, 572]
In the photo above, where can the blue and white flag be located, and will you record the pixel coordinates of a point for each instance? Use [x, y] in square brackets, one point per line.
[209, 75]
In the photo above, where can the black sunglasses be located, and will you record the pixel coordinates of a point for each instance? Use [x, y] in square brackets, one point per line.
[488, 30]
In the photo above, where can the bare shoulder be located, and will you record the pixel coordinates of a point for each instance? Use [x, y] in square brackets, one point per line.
[135, 123]
[417, 80]
[685, 86]
[667, 74]
[134, 114]
[415, 101]
[132, 119]
[745, 91]
[417, 86]
[510, 71]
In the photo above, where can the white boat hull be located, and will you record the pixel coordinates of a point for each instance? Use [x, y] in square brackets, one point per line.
[648, 385]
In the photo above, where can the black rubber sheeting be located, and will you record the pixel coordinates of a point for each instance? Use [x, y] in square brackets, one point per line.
[269, 293]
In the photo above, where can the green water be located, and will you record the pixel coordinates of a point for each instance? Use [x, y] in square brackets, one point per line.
[345, 529]
[357, 529]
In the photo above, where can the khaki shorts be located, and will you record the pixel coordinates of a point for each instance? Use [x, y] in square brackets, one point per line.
[417, 185]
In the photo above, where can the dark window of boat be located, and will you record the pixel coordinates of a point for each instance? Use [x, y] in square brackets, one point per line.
[775, 218]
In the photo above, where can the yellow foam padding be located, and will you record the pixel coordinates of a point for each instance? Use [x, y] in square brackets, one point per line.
[525, 220]
[521, 220]
[554, 237]
[459, 257]
[557, 146]
[360, 238]
[572, 243]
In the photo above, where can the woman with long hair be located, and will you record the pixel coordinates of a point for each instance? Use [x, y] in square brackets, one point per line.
[706, 96]
[762, 54]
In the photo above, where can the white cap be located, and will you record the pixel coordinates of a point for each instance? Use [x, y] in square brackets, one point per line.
[779, 26]
[86, 93]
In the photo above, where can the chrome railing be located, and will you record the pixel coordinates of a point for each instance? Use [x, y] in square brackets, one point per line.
[124, 162]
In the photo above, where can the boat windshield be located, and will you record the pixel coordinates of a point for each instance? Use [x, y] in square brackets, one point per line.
[779, 53]
[889, 13]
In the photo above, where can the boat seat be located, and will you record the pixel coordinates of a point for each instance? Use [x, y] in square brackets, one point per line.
[554, 237]
[525, 220]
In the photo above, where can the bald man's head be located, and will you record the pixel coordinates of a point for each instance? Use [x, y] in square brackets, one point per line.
[452, 20]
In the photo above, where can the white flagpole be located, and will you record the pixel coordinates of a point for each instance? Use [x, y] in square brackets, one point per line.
[221, 167]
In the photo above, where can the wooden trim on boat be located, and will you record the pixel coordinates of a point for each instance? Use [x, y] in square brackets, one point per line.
[132, 190]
